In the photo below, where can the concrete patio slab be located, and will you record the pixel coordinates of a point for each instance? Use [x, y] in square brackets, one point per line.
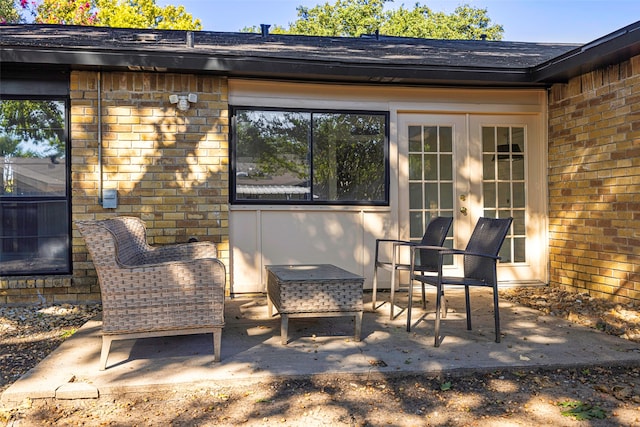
[252, 352]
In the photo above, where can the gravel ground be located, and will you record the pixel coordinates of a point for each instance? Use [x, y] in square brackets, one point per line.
[593, 396]
[621, 320]
[29, 334]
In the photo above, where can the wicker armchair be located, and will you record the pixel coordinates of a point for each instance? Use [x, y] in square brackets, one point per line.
[152, 291]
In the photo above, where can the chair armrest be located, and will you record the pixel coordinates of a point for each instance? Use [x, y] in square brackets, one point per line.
[394, 241]
[212, 266]
[398, 243]
[179, 252]
[391, 240]
[448, 251]
[496, 257]
[441, 249]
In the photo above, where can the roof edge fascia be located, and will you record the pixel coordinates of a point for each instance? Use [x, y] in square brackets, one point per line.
[233, 66]
[609, 49]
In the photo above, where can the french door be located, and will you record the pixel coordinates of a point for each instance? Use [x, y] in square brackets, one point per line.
[466, 166]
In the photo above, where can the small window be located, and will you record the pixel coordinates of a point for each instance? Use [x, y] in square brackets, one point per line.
[310, 157]
[34, 201]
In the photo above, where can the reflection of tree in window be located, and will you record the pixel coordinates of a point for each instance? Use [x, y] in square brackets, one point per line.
[314, 156]
[32, 140]
[348, 156]
[272, 149]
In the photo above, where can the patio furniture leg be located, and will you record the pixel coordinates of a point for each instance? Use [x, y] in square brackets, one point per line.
[284, 328]
[104, 353]
[269, 306]
[443, 303]
[217, 342]
[375, 288]
[358, 320]
[437, 324]
[393, 289]
[468, 304]
[496, 313]
[409, 304]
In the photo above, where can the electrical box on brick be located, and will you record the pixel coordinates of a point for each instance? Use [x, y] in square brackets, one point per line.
[110, 198]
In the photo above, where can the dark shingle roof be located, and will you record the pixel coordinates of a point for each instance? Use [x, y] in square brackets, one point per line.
[365, 59]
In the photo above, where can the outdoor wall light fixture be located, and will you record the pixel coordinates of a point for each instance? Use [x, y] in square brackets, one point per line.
[183, 101]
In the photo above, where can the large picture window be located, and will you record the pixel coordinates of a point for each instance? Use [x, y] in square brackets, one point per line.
[322, 157]
[34, 200]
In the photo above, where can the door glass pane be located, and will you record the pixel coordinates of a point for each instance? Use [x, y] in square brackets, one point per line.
[415, 166]
[518, 194]
[446, 195]
[415, 138]
[519, 249]
[431, 174]
[489, 194]
[502, 137]
[431, 167]
[506, 251]
[488, 140]
[430, 139]
[488, 166]
[416, 225]
[446, 139]
[415, 196]
[518, 223]
[518, 169]
[446, 167]
[431, 196]
[504, 195]
[504, 169]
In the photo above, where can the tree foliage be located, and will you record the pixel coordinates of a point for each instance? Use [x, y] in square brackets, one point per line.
[67, 12]
[32, 120]
[29, 129]
[9, 14]
[108, 13]
[465, 23]
[344, 18]
[353, 18]
[145, 14]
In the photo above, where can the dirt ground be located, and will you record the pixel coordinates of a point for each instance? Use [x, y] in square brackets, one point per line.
[586, 396]
[598, 396]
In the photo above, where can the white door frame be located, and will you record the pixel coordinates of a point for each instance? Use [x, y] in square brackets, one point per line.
[468, 185]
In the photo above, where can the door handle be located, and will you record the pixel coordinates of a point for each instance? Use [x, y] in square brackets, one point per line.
[463, 211]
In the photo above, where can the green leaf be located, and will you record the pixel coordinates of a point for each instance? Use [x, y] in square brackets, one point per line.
[66, 334]
[582, 411]
[445, 386]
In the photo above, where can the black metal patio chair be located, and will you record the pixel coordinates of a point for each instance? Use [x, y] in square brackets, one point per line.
[434, 235]
[480, 260]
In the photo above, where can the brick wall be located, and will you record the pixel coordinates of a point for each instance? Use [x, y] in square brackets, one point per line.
[169, 167]
[594, 182]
